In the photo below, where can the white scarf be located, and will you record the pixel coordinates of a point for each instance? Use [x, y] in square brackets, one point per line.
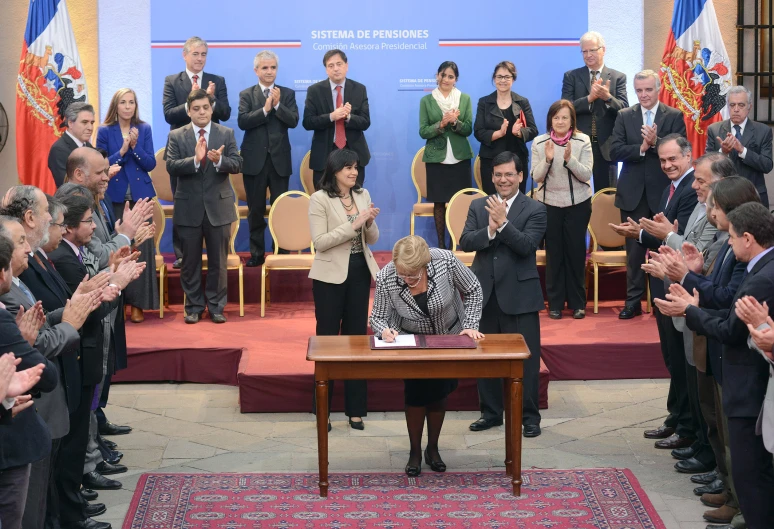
[447, 103]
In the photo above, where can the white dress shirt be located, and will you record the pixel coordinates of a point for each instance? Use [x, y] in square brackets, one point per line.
[263, 91]
[508, 204]
[199, 81]
[78, 142]
[742, 125]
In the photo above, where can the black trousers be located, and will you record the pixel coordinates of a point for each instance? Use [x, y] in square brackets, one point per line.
[255, 187]
[485, 167]
[672, 350]
[603, 172]
[753, 472]
[103, 398]
[317, 176]
[42, 503]
[13, 495]
[635, 256]
[566, 255]
[704, 452]
[490, 390]
[68, 468]
[343, 309]
[215, 292]
[176, 245]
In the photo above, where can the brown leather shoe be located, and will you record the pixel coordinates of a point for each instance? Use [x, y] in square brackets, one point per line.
[662, 432]
[723, 514]
[714, 500]
[137, 315]
[674, 441]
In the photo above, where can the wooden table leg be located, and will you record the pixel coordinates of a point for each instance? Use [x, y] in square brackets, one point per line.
[321, 389]
[510, 428]
[516, 396]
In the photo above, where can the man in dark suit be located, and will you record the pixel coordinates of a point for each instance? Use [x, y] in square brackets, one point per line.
[336, 109]
[505, 231]
[26, 438]
[79, 118]
[746, 142]
[176, 90]
[677, 202]
[597, 93]
[201, 155]
[266, 112]
[745, 372]
[642, 182]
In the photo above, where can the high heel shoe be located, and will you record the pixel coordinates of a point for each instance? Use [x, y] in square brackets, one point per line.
[435, 466]
[413, 472]
[356, 425]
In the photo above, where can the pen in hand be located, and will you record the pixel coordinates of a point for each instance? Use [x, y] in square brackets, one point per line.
[389, 335]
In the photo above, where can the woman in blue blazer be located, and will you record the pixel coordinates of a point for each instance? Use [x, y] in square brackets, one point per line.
[129, 143]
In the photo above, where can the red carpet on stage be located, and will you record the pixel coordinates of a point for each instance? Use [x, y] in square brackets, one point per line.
[557, 499]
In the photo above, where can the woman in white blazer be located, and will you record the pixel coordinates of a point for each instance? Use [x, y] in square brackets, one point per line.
[561, 166]
[342, 222]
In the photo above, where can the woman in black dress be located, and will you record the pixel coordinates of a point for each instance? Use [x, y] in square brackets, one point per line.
[504, 122]
[404, 303]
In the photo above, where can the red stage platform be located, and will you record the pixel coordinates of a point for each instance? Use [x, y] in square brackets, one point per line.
[265, 357]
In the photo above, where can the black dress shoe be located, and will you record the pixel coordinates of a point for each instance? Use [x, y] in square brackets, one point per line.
[691, 466]
[115, 457]
[178, 263]
[662, 432]
[89, 495]
[113, 429]
[683, 453]
[555, 314]
[192, 318]
[357, 425]
[106, 469]
[724, 526]
[256, 261]
[436, 466]
[675, 441]
[329, 426]
[630, 312]
[531, 430]
[484, 424]
[95, 509]
[96, 481]
[579, 314]
[703, 479]
[217, 318]
[412, 471]
[88, 523]
[108, 443]
[716, 487]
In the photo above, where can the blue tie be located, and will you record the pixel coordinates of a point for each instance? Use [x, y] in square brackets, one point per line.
[108, 217]
[27, 292]
[649, 118]
[738, 132]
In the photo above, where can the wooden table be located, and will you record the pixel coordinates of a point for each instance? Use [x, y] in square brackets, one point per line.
[351, 358]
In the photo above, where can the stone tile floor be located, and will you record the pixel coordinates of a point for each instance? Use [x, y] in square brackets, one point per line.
[198, 428]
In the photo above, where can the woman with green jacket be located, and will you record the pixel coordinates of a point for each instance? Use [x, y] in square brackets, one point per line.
[446, 121]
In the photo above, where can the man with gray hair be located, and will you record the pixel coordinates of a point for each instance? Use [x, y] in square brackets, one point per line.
[597, 93]
[642, 180]
[746, 142]
[176, 90]
[79, 118]
[266, 112]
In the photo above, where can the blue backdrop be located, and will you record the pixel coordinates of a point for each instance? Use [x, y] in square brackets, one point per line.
[394, 49]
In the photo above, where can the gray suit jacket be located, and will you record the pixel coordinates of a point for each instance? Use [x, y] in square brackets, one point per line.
[55, 338]
[102, 243]
[204, 189]
[757, 139]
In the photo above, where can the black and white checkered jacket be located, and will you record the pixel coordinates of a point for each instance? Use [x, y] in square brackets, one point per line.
[449, 282]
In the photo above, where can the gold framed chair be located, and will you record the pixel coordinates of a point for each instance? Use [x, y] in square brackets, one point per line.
[238, 183]
[307, 174]
[604, 212]
[161, 184]
[540, 255]
[290, 230]
[233, 262]
[419, 178]
[456, 214]
[477, 172]
[160, 265]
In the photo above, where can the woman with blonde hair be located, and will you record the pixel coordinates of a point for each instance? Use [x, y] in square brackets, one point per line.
[129, 143]
[425, 291]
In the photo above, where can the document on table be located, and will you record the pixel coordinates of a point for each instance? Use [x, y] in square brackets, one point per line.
[402, 340]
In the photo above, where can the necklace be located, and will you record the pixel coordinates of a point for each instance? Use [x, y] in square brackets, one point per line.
[419, 280]
[350, 206]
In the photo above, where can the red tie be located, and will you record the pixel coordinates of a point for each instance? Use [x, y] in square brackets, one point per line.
[671, 192]
[341, 134]
[195, 79]
[202, 132]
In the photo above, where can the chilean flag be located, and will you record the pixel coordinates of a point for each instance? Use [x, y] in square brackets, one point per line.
[695, 70]
[50, 78]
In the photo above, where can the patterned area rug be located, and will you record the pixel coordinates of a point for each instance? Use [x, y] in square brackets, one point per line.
[603, 498]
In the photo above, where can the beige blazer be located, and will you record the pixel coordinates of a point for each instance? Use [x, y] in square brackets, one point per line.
[332, 234]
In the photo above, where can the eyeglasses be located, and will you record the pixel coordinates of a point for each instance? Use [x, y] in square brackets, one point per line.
[592, 50]
[503, 77]
[506, 175]
[410, 278]
[61, 226]
[90, 220]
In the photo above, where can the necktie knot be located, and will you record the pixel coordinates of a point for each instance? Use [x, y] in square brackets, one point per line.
[195, 79]
[266, 93]
[594, 74]
[338, 89]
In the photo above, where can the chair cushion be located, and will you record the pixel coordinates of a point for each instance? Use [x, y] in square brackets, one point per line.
[242, 211]
[613, 257]
[465, 257]
[232, 261]
[423, 209]
[303, 260]
[540, 257]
